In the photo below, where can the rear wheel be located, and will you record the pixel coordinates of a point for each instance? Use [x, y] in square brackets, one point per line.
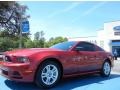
[106, 69]
[48, 75]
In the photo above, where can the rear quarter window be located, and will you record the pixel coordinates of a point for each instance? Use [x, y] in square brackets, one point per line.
[99, 48]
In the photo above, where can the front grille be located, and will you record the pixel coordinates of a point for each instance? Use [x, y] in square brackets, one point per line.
[16, 73]
[5, 72]
[17, 77]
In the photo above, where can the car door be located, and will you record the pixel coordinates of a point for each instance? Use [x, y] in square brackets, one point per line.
[86, 57]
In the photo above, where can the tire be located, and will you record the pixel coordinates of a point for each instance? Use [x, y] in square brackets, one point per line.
[48, 75]
[106, 69]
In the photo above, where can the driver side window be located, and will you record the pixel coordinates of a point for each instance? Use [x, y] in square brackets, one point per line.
[84, 46]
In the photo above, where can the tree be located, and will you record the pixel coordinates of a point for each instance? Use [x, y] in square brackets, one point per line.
[39, 39]
[39, 35]
[11, 12]
[6, 44]
[29, 44]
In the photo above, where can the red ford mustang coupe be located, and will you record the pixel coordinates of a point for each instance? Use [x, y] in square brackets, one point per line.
[46, 66]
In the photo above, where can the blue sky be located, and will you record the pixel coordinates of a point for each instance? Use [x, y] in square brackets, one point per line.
[71, 19]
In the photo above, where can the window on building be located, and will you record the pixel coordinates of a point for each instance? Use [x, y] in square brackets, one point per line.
[116, 33]
[95, 42]
[102, 44]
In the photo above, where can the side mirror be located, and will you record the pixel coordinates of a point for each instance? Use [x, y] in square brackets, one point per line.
[79, 48]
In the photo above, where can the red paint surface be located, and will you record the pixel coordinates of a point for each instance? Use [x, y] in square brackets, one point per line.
[73, 62]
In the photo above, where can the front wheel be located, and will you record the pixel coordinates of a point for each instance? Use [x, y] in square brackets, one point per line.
[106, 69]
[48, 75]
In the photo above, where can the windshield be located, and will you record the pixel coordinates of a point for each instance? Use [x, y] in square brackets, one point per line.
[64, 45]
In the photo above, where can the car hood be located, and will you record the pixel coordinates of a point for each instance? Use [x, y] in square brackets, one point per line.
[29, 51]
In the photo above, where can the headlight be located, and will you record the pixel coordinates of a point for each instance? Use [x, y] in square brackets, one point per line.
[6, 58]
[23, 59]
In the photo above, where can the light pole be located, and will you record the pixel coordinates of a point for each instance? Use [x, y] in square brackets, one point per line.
[20, 34]
[24, 26]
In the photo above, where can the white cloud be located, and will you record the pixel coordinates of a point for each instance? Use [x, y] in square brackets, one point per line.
[89, 11]
[92, 9]
[67, 9]
[72, 6]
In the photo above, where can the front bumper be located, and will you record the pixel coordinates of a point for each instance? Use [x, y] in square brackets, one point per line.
[17, 71]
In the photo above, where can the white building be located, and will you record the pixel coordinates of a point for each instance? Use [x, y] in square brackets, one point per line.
[108, 38]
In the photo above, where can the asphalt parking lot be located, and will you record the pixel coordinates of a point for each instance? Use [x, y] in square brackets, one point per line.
[116, 67]
[87, 82]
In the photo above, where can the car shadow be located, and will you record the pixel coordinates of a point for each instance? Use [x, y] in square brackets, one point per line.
[65, 84]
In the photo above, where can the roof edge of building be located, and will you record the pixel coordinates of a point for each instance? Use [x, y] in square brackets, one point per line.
[111, 21]
[81, 37]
